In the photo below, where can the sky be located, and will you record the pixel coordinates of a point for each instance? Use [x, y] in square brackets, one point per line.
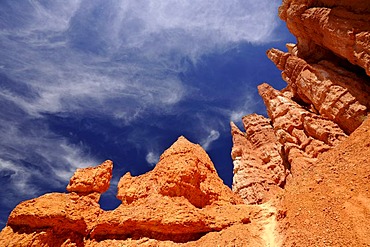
[83, 81]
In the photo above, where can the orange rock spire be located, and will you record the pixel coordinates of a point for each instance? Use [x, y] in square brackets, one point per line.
[258, 168]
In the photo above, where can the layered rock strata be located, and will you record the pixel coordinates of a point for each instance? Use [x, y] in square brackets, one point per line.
[303, 134]
[181, 200]
[335, 93]
[270, 150]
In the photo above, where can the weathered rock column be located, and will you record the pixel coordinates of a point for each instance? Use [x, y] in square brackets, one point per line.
[259, 172]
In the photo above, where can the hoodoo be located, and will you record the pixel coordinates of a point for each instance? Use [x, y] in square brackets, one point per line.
[319, 126]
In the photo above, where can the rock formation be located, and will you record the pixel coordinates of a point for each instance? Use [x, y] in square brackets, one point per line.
[258, 168]
[185, 170]
[181, 200]
[92, 179]
[335, 93]
[328, 205]
[301, 176]
[326, 100]
[327, 26]
[303, 134]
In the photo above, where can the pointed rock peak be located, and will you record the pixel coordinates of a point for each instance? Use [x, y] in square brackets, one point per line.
[91, 179]
[181, 146]
[182, 151]
[267, 92]
[182, 140]
[279, 58]
[239, 141]
[184, 170]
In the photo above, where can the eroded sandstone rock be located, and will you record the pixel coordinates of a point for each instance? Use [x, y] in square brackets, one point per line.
[341, 27]
[336, 94]
[258, 168]
[91, 179]
[303, 134]
[183, 170]
[181, 200]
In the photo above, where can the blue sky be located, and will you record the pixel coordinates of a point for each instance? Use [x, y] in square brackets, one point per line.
[82, 81]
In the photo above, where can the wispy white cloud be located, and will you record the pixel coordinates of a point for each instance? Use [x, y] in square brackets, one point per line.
[30, 141]
[152, 158]
[191, 26]
[143, 43]
[34, 163]
[213, 136]
[236, 116]
[20, 179]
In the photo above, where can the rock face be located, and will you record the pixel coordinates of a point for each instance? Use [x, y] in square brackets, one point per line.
[335, 93]
[328, 205]
[316, 124]
[327, 97]
[328, 26]
[181, 200]
[258, 168]
[303, 134]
